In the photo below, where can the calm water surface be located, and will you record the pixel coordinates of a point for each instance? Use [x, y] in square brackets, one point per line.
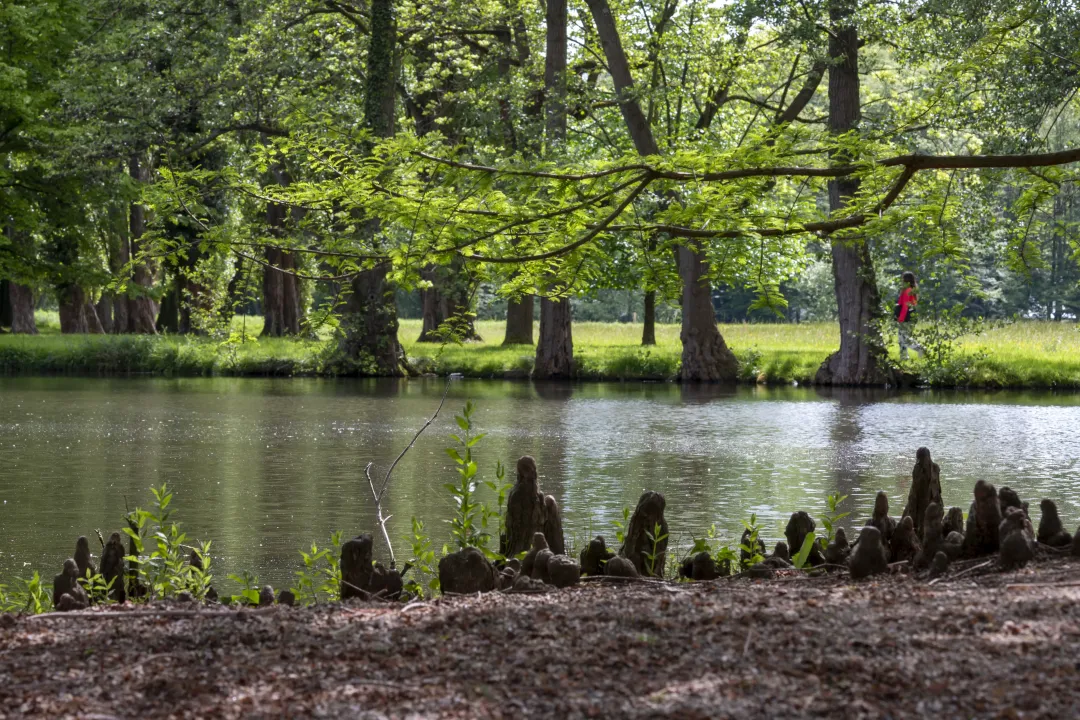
[264, 467]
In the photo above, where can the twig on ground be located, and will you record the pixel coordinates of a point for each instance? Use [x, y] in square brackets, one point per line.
[962, 573]
[1033, 586]
[378, 495]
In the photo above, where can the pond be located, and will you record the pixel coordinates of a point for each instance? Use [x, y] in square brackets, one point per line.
[265, 467]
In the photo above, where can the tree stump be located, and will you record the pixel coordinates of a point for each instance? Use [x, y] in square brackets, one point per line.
[799, 526]
[529, 511]
[112, 567]
[82, 558]
[905, 543]
[595, 556]
[1051, 531]
[932, 542]
[984, 517]
[954, 522]
[925, 488]
[869, 556]
[648, 519]
[467, 572]
[562, 571]
[619, 566]
[1017, 541]
[67, 584]
[356, 567]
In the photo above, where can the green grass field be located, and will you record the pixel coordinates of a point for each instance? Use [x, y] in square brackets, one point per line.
[1023, 354]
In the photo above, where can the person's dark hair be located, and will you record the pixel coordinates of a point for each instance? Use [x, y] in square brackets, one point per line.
[909, 278]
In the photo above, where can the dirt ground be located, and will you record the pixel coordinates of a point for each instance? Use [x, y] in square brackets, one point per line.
[985, 644]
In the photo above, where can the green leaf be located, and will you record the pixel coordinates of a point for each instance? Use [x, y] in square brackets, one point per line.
[804, 552]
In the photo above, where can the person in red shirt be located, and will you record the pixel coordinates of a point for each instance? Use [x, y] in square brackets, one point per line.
[905, 315]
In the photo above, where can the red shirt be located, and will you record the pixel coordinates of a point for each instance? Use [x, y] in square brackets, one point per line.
[907, 300]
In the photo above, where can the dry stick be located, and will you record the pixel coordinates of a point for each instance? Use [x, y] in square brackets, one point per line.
[386, 481]
[959, 575]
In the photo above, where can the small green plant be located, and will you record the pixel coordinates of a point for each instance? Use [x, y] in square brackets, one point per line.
[500, 487]
[750, 548]
[467, 525]
[832, 517]
[423, 563]
[160, 559]
[97, 589]
[656, 536]
[620, 526]
[33, 598]
[249, 588]
[321, 576]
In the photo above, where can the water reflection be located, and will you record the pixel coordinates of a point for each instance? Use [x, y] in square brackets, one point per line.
[264, 467]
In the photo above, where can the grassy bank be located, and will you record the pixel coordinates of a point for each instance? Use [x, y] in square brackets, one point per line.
[1026, 354]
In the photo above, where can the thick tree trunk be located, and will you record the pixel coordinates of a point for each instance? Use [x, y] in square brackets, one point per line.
[21, 298]
[648, 332]
[705, 355]
[168, 317]
[370, 342]
[73, 311]
[519, 321]
[861, 359]
[93, 322]
[104, 311]
[282, 311]
[555, 351]
[433, 307]
[142, 310]
[273, 294]
[122, 302]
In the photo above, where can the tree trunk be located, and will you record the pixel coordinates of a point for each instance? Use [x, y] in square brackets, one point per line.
[705, 355]
[370, 345]
[104, 312]
[433, 305]
[168, 318]
[519, 321]
[273, 293]
[861, 359]
[648, 333]
[142, 310]
[93, 322]
[555, 351]
[122, 301]
[370, 341]
[73, 310]
[21, 298]
[282, 311]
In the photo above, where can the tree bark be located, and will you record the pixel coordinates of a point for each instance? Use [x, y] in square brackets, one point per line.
[370, 345]
[142, 310]
[861, 359]
[555, 349]
[448, 298]
[73, 311]
[706, 356]
[282, 311]
[21, 298]
[519, 321]
[370, 341]
[93, 322]
[5, 305]
[648, 332]
[104, 312]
